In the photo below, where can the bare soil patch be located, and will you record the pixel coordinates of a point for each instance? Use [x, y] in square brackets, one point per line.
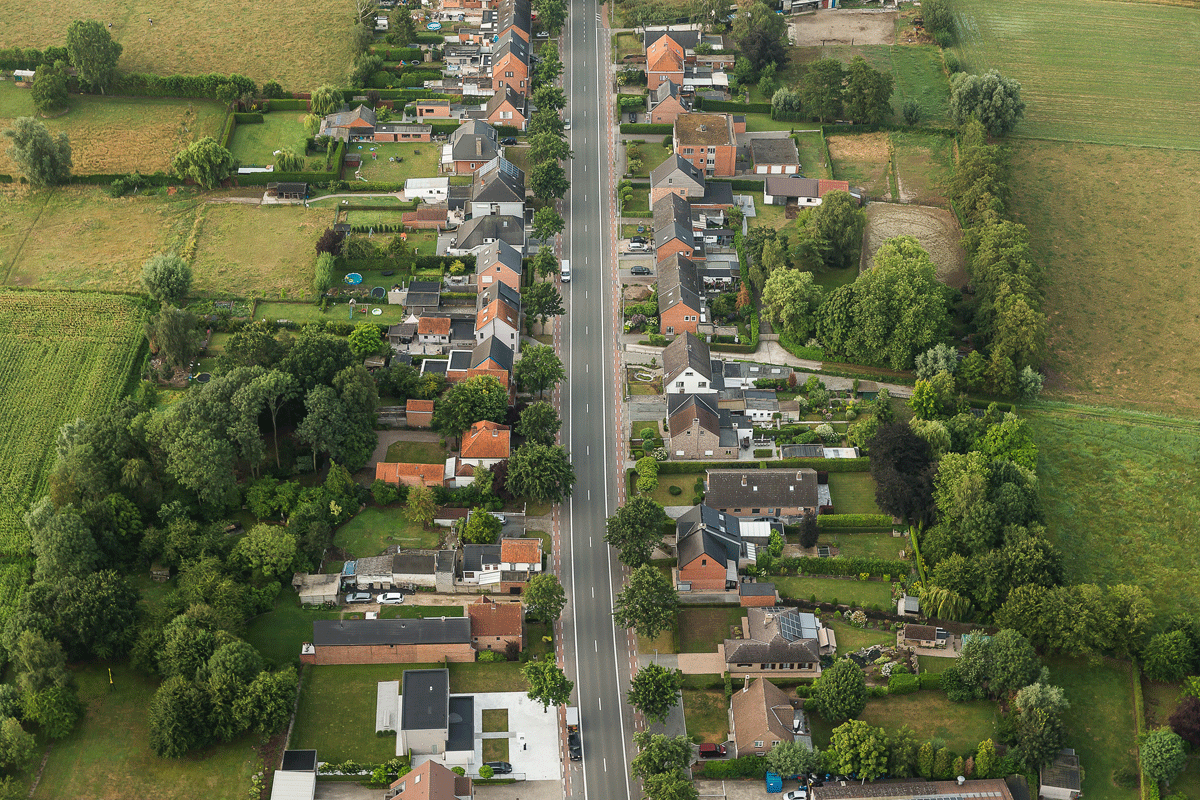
[935, 228]
[862, 159]
[844, 27]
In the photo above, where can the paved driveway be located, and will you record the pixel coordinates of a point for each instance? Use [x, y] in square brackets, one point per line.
[344, 790]
[524, 790]
[533, 735]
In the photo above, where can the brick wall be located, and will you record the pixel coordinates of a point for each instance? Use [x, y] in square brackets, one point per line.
[703, 576]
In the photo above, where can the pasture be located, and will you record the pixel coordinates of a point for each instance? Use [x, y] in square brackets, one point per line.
[1123, 281]
[923, 162]
[257, 251]
[1121, 499]
[302, 48]
[1090, 70]
[112, 135]
[255, 144]
[863, 160]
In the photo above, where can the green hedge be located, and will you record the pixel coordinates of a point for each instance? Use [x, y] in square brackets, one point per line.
[876, 567]
[446, 128]
[903, 684]
[211, 86]
[644, 127]
[430, 38]
[877, 691]
[286, 104]
[819, 464]
[704, 104]
[504, 131]
[853, 521]
[930, 680]
[764, 452]
[862, 464]
[744, 767]
[248, 117]
[717, 347]
[6, 178]
[100, 179]
[227, 130]
[741, 184]
[388, 53]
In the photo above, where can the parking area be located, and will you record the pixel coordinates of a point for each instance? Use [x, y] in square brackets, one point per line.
[738, 790]
[533, 734]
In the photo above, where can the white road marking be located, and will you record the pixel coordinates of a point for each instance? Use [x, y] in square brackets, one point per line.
[600, 703]
[597, 645]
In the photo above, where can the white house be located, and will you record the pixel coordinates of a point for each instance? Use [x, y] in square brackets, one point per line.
[427, 190]
[688, 368]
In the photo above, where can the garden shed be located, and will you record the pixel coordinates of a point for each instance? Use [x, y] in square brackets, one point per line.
[316, 589]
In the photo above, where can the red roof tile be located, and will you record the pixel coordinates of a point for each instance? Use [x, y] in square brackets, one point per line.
[402, 474]
[439, 326]
[521, 551]
[489, 618]
[486, 439]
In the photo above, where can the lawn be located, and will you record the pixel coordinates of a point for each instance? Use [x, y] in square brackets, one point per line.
[411, 160]
[1161, 700]
[923, 163]
[302, 49]
[652, 154]
[851, 639]
[765, 215]
[495, 749]
[853, 493]
[278, 634]
[934, 664]
[1100, 720]
[370, 533]
[846, 592]
[107, 239]
[518, 156]
[864, 545]
[930, 716]
[257, 251]
[308, 312]
[336, 715]
[702, 629]
[812, 155]
[416, 452]
[111, 135]
[1121, 500]
[108, 754]
[1089, 70]
[504, 676]
[495, 720]
[626, 44]
[663, 643]
[920, 75]
[255, 144]
[706, 715]
[1109, 345]
[407, 611]
[685, 481]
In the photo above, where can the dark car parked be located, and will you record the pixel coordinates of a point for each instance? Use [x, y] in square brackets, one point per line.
[500, 767]
[639, 270]
[574, 747]
[508, 140]
[638, 240]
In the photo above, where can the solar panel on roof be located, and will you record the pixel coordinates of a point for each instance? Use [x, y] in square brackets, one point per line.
[798, 626]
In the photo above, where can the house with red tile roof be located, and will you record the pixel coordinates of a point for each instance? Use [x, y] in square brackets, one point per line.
[404, 474]
[419, 413]
[433, 330]
[486, 443]
[520, 560]
[494, 625]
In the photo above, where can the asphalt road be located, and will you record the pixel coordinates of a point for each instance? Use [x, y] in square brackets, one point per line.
[596, 656]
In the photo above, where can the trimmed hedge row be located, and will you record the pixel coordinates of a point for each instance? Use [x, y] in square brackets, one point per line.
[930, 680]
[704, 104]
[861, 464]
[285, 104]
[876, 567]
[211, 86]
[248, 117]
[904, 683]
[853, 521]
[743, 767]
[645, 127]
[819, 464]
[741, 184]
[227, 131]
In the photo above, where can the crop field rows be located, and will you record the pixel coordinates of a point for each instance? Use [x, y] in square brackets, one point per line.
[1091, 70]
[62, 356]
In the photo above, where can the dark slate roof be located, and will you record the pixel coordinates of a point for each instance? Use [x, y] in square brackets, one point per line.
[722, 528]
[460, 361]
[432, 630]
[1063, 772]
[792, 186]
[499, 186]
[299, 761]
[701, 543]
[683, 352]
[511, 42]
[461, 735]
[678, 171]
[476, 231]
[510, 94]
[747, 488]
[457, 196]
[679, 283]
[413, 564]
[476, 555]
[425, 699]
[514, 12]
[435, 366]
[673, 220]
[687, 39]
[663, 91]
[494, 349]
[474, 140]
[756, 589]
[502, 252]
[717, 193]
[684, 409]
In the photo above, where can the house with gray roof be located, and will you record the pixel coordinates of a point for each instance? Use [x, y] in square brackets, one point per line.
[673, 228]
[478, 232]
[783, 493]
[775, 641]
[432, 721]
[712, 547]
[470, 146]
[688, 367]
[499, 262]
[774, 156]
[676, 175]
[498, 187]
[492, 353]
[682, 306]
[389, 641]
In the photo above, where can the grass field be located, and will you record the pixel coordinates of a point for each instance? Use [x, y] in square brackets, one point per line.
[79, 238]
[930, 715]
[846, 592]
[1090, 70]
[413, 160]
[687, 482]
[108, 754]
[116, 135]
[301, 49]
[626, 44]
[278, 634]
[257, 251]
[706, 715]
[62, 356]
[702, 629]
[1122, 285]
[864, 545]
[1100, 720]
[862, 160]
[853, 493]
[652, 154]
[369, 533]
[812, 157]
[1121, 500]
[417, 452]
[308, 312]
[923, 163]
[256, 144]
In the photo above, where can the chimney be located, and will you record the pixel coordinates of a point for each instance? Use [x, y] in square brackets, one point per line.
[746, 683]
[743, 480]
[961, 780]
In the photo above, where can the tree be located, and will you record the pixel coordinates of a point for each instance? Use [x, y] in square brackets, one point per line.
[821, 90]
[538, 369]
[794, 758]
[49, 90]
[1163, 754]
[669, 786]
[648, 603]
[421, 506]
[911, 111]
[95, 615]
[64, 546]
[266, 704]
[266, 549]
[549, 96]
[545, 121]
[1040, 730]
[1014, 663]
[547, 683]
[902, 466]
[539, 423]
[986, 760]
[478, 398]
[938, 16]
[839, 222]
[1185, 720]
[991, 98]
[548, 145]
[55, 710]
[636, 530]
[761, 35]
[1169, 657]
[711, 14]
[1012, 440]
[547, 223]
[402, 29]
[204, 161]
[659, 754]
[167, 278]
[790, 300]
[540, 472]
[925, 759]
[177, 714]
[325, 100]
[551, 15]
[366, 339]
[364, 65]
[809, 532]
[939, 358]
[840, 692]
[43, 160]
[174, 337]
[93, 52]
[17, 748]
[654, 691]
[545, 263]
[481, 527]
[867, 94]
[542, 301]
[548, 181]
[286, 160]
[544, 597]
[39, 662]
[858, 748]
[275, 388]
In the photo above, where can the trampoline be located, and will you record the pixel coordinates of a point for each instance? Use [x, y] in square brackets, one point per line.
[204, 377]
[378, 293]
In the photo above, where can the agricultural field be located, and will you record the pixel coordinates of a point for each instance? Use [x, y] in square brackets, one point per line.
[255, 144]
[62, 356]
[111, 135]
[1121, 499]
[307, 46]
[936, 230]
[257, 251]
[923, 162]
[1122, 284]
[78, 237]
[1090, 70]
[862, 160]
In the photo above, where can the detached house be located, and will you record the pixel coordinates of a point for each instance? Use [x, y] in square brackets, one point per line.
[793, 190]
[762, 492]
[780, 641]
[666, 103]
[665, 58]
[681, 303]
[713, 546]
[760, 717]
[520, 560]
[361, 125]
[709, 141]
[389, 641]
[432, 722]
[478, 232]
[495, 625]
[486, 443]
[688, 367]
[698, 429]
[508, 107]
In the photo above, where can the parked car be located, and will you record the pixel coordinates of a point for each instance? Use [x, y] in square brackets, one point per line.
[359, 597]
[566, 124]
[712, 750]
[797, 794]
[638, 247]
[639, 240]
[639, 270]
[508, 140]
[500, 767]
[390, 598]
[575, 747]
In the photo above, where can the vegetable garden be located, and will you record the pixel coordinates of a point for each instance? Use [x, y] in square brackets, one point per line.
[62, 356]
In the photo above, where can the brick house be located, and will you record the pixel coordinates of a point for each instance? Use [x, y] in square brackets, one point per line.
[520, 560]
[676, 175]
[510, 63]
[499, 262]
[361, 125]
[433, 109]
[673, 232]
[508, 107]
[486, 443]
[514, 15]
[782, 641]
[433, 330]
[469, 147]
[664, 61]
[494, 625]
[500, 319]
[498, 187]
[698, 429]
[782, 190]
[431, 781]
[666, 103]
[710, 550]
[709, 141]
[774, 156]
[406, 474]
[419, 413]
[763, 492]
[681, 303]
[760, 717]
[492, 354]
[389, 641]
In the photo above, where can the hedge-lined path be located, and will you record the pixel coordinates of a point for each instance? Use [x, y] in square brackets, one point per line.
[398, 195]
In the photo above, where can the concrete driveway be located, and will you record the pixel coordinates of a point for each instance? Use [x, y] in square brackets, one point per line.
[344, 790]
[524, 790]
[533, 734]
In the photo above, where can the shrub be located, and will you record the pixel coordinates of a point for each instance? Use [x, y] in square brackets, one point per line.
[853, 521]
[903, 684]
[675, 491]
[490, 657]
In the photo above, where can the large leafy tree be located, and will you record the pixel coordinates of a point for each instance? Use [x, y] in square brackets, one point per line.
[268, 550]
[266, 704]
[1163, 754]
[325, 100]
[539, 423]
[902, 466]
[478, 398]
[1169, 657]
[177, 717]
[867, 94]
[548, 145]
[1185, 720]
[992, 99]
[794, 758]
[654, 691]
[547, 683]
[547, 222]
[540, 472]
[544, 597]
[49, 90]
[204, 161]
[669, 786]
[93, 52]
[790, 300]
[761, 35]
[43, 159]
[636, 530]
[1041, 731]
[821, 89]
[648, 604]
[95, 615]
[841, 691]
[421, 507]
[839, 223]
[538, 369]
[1015, 663]
[858, 748]
[659, 754]
[548, 181]
[167, 278]
[481, 528]
[62, 542]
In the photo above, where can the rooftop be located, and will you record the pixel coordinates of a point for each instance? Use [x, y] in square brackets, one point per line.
[425, 699]
[489, 618]
[355, 632]
[705, 130]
